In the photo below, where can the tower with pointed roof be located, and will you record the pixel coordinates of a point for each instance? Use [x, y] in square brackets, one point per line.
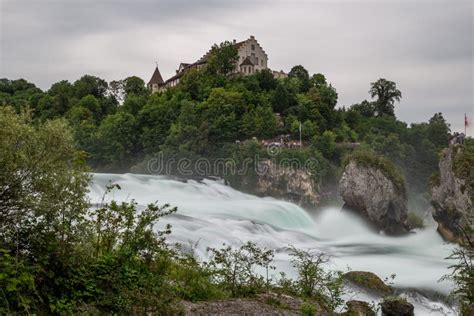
[156, 82]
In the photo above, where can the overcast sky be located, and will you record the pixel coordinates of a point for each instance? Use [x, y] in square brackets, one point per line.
[426, 47]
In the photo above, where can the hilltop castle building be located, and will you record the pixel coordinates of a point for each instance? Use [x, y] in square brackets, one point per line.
[252, 58]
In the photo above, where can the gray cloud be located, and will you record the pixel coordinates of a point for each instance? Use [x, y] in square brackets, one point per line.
[424, 46]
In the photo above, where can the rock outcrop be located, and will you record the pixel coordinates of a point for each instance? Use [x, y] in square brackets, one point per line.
[281, 181]
[263, 304]
[397, 306]
[358, 308]
[452, 194]
[368, 282]
[367, 190]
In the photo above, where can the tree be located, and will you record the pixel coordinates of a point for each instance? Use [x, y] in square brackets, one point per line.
[155, 120]
[266, 81]
[281, 100]
[62, 92]
[438, 130]
[118, 139]
[134, 103]
[92, 104]
[134, 85]
[300, 73]
[90, 85]
[326, 144]
[222, 59]
[387, 93]
[223, 112]
[260, 122]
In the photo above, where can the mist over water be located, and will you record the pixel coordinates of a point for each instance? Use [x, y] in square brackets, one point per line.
[211, 214]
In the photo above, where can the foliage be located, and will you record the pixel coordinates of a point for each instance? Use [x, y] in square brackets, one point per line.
[214, 107]
[462, 166]
[235, 269]
[387, 93]
[462, 271]
[315, 282]
[222, 59]
[415, 221]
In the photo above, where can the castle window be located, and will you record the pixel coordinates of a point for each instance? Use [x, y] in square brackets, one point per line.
[253, 46]
[256, 58]
[262, 62]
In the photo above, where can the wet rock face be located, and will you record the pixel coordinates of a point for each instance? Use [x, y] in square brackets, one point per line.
[369, 193]
[276, 180]
[397, 307]
[452, 201]
[292, 184]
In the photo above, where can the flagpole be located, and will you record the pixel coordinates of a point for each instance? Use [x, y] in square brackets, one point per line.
[465, 123]
[301, 145]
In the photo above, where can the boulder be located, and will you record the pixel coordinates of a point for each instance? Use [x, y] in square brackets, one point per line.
[369, 190]
[358, 308]
[452, 194]
[397, 307]
[369, 282]
[282, 181]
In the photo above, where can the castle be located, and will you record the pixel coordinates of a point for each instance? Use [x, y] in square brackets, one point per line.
[252, 58]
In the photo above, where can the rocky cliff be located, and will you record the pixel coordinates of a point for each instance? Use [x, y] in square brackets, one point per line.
[368, 188]
[280, 181]
[452, 193]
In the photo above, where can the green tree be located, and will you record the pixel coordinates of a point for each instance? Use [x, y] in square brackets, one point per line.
[118, 139]
[260, 122]
[223, 112]
[93, 105]
[134, 85]
[281, 101]
[386, 93]
[266, 81]
[438, 131]
[222, 59]
[90, 85]
[301, 74]
[155, 120]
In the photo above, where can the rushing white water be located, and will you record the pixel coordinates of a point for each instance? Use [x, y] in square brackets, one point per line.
[211, 213]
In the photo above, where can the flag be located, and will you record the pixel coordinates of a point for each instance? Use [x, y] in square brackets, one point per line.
[466, 122]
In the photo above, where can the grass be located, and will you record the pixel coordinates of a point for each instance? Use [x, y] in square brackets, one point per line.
[388, 168]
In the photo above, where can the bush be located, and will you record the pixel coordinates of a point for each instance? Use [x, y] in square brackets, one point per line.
[415, 221]
[313, 281]
[307, 309]
[235, 269]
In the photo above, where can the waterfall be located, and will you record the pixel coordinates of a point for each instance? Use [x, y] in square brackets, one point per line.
[211, 213]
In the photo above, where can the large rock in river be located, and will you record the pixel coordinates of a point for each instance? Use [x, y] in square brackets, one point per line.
[452, 192]
[281, 181]
[372, 187]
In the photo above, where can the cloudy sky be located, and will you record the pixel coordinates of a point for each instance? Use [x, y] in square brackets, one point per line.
[425, 46]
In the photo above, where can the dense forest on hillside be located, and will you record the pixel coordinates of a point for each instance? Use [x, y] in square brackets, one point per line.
[59, 255]
[119, 124]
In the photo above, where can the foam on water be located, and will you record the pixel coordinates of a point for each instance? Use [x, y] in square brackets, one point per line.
[212, 213]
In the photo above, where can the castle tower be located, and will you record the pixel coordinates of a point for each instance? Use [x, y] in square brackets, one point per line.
[156, 81]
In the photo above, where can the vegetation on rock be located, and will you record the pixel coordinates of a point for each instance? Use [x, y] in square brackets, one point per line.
[368, 281]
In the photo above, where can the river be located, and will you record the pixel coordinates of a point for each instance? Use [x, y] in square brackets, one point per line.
[211, 213]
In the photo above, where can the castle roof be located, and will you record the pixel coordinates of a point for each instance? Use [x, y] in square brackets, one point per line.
[247, 62]
[156, 78]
